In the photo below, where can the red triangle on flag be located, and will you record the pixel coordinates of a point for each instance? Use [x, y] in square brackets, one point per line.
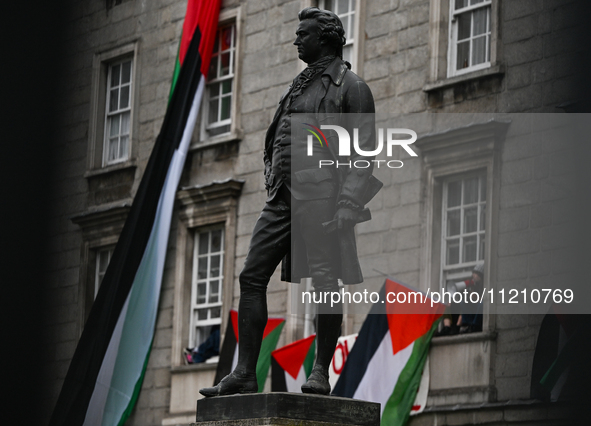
[410, 319]
[272, 323]
[291, 357]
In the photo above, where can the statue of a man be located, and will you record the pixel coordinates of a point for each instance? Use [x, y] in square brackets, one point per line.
[320, 195]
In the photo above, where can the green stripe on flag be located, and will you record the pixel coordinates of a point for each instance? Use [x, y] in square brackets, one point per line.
[309, 361]
[264, 362]
[397, 409]
[136, 390]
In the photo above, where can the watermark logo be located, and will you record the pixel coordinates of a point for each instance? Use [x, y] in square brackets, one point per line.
[386, 137]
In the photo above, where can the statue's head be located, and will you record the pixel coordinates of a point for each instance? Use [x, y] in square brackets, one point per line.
[320, 33]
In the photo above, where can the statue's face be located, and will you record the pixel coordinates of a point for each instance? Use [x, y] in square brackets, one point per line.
[307, 42]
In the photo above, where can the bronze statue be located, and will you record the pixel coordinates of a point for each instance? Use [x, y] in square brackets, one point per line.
[326, 86]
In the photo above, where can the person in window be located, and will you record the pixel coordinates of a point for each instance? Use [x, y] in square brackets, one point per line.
[315, 196]
[470, 319]
[209, 348]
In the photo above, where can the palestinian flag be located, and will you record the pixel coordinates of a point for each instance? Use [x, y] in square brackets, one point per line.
[292, 364]
[107, 369]
[386, 363]
[229, 351]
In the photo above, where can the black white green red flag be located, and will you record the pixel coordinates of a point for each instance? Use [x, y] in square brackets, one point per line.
[107, 369]
[229, 350]
[292, 364]
[387, 360]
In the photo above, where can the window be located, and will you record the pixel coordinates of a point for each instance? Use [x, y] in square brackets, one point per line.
[112, 114]
[103, 257]
[118, 112]
[463, 226]
[206, 292]
[470, 36]
[220, 83]
[345, 10]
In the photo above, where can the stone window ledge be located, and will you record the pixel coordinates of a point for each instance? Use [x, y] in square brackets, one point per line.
[495, 70]
[459, 339]
[127, 165]
[202, 366]
[234, 136]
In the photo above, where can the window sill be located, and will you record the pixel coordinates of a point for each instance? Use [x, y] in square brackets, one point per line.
[127, 165]
[234, 136]
[495, 70]
[202, 366]
[459, 339]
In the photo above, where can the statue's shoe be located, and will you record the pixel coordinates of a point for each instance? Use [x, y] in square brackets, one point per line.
[231, 385]
[317, 382]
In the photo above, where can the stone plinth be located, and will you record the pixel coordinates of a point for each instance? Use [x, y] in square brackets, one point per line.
[280, 408]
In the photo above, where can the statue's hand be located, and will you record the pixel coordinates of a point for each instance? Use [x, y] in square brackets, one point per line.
[346, 218]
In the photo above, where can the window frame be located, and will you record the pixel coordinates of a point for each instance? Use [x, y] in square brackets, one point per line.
[453, 37]
[194, 322]
[98, 108]
[461, 270]
[203, 138]
[440, 33]
[120, 112]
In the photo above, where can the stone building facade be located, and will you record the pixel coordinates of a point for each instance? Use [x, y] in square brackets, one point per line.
[417, 56]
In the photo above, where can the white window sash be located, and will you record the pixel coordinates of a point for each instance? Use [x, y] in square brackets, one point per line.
[453, 38]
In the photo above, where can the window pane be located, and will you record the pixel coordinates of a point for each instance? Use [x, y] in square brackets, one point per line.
[126, 72]
[114, 125]
[463, 55]
[214, 292]
[352, 5]
[475, 1]
[215, 266]
[328, 5]
[225, 68]
[464, 26]
[479, 50]
[202, 268]
[215, 312]
[203, 242]
[226, 87]
[351, 27]
[342, 6]
[471, 191]
[226, 106]
[461, 3]
[201, 291]
[216, 241]
[213, 111]
[123, 147]
[202, 314]
[115, 70]
[454, 194]
[470, 219]
[227, 38]
[114, 100]
[469, 249]
[125, 123]
[113, 149]
[124, 101]
[453, 252]
[453, 223]
[480, 16]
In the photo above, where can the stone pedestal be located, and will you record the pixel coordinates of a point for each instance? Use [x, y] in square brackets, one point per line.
[281, 409]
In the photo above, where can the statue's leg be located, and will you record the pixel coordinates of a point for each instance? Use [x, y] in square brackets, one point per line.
[269, 244]
[323, 261]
